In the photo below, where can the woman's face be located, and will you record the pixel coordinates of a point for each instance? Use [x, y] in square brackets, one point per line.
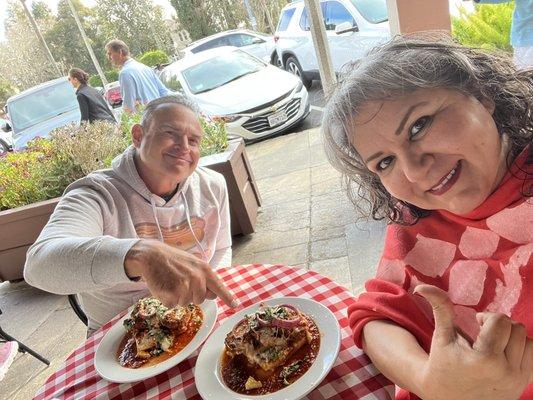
[437, 149]
[74, 81]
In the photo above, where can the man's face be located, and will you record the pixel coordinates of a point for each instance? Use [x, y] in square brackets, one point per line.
[116, 57]
[170, 145]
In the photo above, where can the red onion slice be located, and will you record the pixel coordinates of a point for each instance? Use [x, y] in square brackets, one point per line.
[287, 323]
[263, 322]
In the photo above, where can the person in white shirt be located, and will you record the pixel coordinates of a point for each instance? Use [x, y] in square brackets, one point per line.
[155, 223]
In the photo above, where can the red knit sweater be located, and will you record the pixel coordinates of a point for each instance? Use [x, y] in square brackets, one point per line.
[483, 260]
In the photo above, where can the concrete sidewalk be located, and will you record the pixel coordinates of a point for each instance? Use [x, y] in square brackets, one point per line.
[306, 220]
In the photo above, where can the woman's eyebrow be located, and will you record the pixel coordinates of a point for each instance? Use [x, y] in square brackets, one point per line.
[407, 115]
[376, 155]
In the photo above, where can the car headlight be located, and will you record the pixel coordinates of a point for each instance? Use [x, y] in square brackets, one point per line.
[225, 118]
[299, 86]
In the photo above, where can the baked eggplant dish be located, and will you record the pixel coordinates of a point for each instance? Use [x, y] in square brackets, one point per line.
[155, 333]
[269, 350]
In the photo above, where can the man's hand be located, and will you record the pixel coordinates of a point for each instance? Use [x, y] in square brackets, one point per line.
[174, 276]
[497, 366]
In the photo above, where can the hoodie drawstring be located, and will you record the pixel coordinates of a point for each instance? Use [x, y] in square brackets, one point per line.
[156, 221]
[204, 255]
[188, 217]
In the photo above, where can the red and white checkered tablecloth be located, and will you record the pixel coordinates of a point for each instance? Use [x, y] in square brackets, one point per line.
[353, 376]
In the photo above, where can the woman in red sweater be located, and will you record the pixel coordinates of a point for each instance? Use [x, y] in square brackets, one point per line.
[436, 138]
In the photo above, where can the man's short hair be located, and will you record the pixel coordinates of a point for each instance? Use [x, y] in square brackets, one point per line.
[118, 46]
[177, 99]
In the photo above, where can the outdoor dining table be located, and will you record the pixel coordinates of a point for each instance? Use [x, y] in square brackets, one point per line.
[352, 377]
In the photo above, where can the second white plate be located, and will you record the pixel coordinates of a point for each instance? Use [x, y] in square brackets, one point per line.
[207, 371]
[108, 367]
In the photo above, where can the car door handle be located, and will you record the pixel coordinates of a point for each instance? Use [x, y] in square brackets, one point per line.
[352, 29]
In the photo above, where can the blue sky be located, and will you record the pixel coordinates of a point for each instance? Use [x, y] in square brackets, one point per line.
[164, 3]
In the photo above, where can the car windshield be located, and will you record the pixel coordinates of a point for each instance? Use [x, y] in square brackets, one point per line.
[374, 11]
[41, 105]
[219, 70]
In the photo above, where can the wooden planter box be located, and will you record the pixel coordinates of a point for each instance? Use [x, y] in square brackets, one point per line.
[20, 227]
[244, 199]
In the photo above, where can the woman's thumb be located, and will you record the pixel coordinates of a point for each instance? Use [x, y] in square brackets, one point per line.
[442, 312]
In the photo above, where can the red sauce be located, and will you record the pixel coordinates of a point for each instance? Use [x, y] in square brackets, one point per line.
[127, 350]
[236, 370]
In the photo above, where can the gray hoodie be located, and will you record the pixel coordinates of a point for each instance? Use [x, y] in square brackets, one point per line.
[100, 217]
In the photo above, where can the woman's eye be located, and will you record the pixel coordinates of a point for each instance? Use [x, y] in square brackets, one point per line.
[384, 164]
[419, 126]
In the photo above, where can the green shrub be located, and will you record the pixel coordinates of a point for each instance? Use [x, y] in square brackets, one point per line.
[215, 138]
[154, 58]
[111, 76]
[487, 27]
[48, 166]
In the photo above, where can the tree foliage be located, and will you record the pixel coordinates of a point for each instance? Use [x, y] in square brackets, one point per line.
[487, 27]
[23, 62]
[154, 58]
[262, 9]
[138, 23]
[111, 76]
[65, 40]
[203, 18]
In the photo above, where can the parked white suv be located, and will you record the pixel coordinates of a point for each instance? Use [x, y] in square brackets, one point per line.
[353, 27]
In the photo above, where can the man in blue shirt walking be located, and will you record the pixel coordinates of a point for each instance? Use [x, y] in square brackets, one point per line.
[138, 83]
[521, 31]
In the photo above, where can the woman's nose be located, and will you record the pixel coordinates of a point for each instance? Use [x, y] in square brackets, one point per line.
[416, 165]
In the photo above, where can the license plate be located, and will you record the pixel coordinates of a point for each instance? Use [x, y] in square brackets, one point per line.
[278, 118]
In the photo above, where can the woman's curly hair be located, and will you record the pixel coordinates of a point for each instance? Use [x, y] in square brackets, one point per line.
[401, 66]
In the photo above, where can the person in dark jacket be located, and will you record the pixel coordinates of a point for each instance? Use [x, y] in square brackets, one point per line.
[93, 107]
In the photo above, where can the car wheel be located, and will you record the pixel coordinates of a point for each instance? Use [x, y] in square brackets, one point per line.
[293, 66]
[4, 147]
[276, 61]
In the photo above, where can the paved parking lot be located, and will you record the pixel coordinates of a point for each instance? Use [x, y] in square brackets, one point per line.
[316, 98]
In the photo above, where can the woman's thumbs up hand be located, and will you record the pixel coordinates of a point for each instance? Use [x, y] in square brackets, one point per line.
[497, 366]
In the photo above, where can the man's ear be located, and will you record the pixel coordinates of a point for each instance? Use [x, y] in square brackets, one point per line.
[137, 134]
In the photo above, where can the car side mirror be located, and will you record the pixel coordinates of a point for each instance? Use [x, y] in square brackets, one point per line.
[6, 127]
[257, 40]
[345, 27]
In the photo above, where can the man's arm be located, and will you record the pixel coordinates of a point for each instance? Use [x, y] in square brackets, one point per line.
[84, 107]
[71, 255]
[128, 90]
[161, 88]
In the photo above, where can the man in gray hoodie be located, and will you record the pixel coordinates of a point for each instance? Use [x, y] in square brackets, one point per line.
[154, 223]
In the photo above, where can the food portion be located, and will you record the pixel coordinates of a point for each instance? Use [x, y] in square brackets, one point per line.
[269, 349]
[155, 333]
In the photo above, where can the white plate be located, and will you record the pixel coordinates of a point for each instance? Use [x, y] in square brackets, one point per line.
[209, 380]
[107, 366]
